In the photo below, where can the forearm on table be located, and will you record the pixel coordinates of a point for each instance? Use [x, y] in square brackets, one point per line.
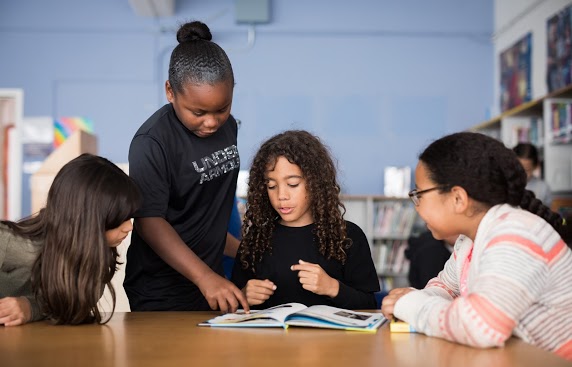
[459, 320]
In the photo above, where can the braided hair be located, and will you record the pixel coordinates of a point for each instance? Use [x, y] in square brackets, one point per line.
[196, 59]
[489, 172]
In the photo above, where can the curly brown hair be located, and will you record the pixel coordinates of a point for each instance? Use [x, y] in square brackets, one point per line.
[313, 157]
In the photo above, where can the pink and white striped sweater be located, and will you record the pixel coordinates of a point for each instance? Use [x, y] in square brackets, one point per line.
[515, 279]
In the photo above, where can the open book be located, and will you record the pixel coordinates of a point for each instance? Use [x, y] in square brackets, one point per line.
[296, 314]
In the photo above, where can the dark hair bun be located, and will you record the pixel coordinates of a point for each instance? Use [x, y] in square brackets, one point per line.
[193, 31]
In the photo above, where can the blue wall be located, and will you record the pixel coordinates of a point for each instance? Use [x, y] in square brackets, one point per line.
[375, 79]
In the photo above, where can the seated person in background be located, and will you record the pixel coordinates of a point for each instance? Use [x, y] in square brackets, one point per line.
[296, 245]
[427, 257]
[528, 156]
[57, 263]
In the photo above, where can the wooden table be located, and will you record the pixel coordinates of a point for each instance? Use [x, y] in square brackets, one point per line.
[141, 339]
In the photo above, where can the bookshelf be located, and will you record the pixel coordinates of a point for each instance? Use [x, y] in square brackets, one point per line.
[387, 222]
[547, 123]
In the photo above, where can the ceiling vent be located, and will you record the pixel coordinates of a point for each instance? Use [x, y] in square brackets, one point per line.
[153, 8]
[252, 11]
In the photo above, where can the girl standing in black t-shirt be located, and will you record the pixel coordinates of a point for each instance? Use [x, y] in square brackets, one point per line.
[185, 161]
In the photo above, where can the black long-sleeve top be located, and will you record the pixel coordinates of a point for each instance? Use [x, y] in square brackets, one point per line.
[357, 276]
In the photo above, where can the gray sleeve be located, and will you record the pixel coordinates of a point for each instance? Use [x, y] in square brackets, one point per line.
[36, 312]
[3, 246]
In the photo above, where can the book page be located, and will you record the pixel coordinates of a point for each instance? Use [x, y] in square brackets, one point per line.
[277, 313]
[341, 316]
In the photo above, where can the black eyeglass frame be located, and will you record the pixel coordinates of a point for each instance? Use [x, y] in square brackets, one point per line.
[414, 194]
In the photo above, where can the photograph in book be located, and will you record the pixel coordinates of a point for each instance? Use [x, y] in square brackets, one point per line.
[297, 314]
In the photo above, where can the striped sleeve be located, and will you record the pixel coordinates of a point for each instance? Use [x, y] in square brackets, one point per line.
[446, 283]
[512, 271]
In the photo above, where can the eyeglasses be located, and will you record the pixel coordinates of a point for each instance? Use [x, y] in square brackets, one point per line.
[414, 195]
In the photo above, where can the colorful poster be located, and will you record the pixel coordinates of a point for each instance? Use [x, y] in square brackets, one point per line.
[65, 126]
[559, 50]
[515, 69]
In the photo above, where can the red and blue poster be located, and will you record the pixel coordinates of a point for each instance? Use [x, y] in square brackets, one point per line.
[559, 50]
[515, 69]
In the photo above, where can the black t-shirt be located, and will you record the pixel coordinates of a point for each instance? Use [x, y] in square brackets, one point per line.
[427, 258]
[190, 182]
[358, 277]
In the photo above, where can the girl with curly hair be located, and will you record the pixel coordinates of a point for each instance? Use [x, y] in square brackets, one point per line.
[510, 272]
[296, 245]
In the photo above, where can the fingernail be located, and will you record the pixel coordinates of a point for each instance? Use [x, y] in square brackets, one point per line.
[292, 267]
[274, 288]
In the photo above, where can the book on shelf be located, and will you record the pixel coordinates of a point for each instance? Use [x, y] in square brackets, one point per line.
[521, 134]
[522, 129]
[297, 314]
[400, 262]
[394, 218]
[560, 121]
[536, 132]
[398, 326]
[389, 257]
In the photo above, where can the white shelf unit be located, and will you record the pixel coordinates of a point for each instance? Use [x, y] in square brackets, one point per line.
[558, 143]
[387, 223]
[11, 114]
[555, 154]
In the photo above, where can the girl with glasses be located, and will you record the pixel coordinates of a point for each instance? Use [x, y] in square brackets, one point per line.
[511, 270]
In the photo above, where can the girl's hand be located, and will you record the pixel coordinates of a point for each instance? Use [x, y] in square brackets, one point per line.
[388, 302]
[258, 291]
[221, 293]
[15, 311]
[314, 279]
